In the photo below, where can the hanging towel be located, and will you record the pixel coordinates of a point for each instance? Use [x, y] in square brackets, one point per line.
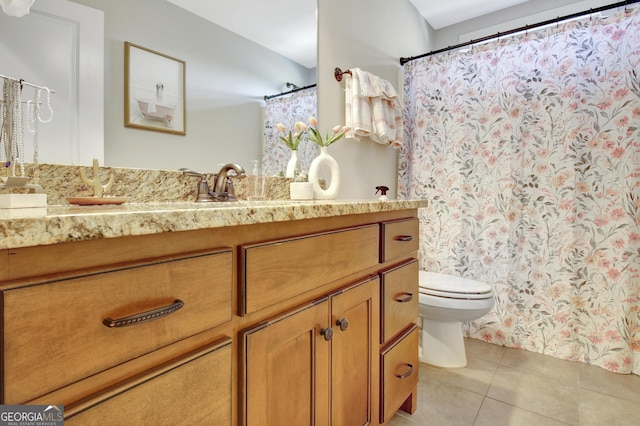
[372, 109]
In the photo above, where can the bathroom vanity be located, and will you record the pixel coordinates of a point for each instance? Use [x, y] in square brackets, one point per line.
[246, 313]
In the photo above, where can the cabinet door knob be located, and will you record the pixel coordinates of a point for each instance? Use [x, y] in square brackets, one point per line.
[407, 374]
[403, 238]
[327, 333]
[407, 298]
[343, 324]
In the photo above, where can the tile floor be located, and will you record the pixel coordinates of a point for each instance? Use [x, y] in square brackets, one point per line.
[503, 386]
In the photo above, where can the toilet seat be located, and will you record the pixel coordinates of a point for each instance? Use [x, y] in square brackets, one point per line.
[449, 286]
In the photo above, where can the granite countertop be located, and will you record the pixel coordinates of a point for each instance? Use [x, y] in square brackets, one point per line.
[66, 223]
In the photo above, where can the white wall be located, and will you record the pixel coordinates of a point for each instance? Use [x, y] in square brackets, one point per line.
[371, 35]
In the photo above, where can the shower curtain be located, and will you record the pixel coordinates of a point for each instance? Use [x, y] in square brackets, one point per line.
[287, 109]
[528, 151]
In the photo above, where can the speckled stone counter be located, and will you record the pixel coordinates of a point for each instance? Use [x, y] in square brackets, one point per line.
[60, 224]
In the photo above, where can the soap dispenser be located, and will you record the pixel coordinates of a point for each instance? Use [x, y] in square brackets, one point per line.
[383, 192]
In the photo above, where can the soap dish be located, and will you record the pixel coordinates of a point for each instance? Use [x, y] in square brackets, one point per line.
[96, 201]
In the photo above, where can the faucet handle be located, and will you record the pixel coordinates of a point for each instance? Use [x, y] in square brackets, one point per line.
[193, 173]
[203, 186]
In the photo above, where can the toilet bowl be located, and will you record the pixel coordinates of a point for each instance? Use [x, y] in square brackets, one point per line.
[445, 302]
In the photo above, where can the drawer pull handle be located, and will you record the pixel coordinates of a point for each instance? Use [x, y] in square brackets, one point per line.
[407, 374]
[327, 333]
[403, 238]
[144, 316]
[343, 324]
[408, 298]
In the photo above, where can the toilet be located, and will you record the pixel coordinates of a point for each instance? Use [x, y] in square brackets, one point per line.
[445, 302]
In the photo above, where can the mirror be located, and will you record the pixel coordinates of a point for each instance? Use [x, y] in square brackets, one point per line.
[227, 77]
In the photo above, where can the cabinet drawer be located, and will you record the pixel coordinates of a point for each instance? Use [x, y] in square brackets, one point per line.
[399, 374]
[53, 332]
[398, 238]
[278, 270]
[195, 389]
[399, 299]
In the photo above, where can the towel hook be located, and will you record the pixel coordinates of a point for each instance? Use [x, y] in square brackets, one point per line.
[337, 73]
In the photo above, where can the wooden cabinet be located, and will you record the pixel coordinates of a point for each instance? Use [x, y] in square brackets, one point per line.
[315, 365]
[399, 335]
[307, 322]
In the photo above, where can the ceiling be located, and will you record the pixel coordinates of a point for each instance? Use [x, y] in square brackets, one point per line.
[273, 23]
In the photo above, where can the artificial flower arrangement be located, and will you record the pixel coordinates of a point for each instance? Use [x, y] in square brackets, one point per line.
[315, 136]
[292, 140]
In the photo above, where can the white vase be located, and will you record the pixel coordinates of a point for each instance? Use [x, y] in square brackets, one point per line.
[292, 165]
[324, 160]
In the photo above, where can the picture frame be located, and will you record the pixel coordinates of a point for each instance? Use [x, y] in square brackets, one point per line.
[154, 91]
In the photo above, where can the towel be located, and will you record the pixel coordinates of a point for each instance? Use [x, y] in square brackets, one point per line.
[372, 109]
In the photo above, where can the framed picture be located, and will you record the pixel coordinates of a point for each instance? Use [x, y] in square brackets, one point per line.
[154, 91]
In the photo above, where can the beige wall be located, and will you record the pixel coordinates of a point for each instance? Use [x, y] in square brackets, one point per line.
[371, 35]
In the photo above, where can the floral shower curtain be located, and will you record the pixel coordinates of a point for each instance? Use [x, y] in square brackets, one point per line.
[287, 109]
[528, 151]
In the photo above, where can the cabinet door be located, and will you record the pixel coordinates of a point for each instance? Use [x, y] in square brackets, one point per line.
[195, 389]
[286, 369]
[355, 321]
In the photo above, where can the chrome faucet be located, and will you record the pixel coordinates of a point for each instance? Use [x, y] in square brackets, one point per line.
[222, 185]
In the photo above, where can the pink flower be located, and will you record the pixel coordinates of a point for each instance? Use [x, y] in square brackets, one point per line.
[565, 204]
[623, 122]
[617, 242]
[618, 153]
[621, 93]
[604, 104]
[612, 336]
[601, 220]
[611, 365]
[487, 337]
[618, 214]
[618, 35]
[613, 273]
[595, 339]
[604, 263]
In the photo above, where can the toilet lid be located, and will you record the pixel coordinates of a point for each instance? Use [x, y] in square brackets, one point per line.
[444, 285]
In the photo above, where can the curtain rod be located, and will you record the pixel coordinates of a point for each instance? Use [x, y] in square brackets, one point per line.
[517, 30]
[293, 91]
